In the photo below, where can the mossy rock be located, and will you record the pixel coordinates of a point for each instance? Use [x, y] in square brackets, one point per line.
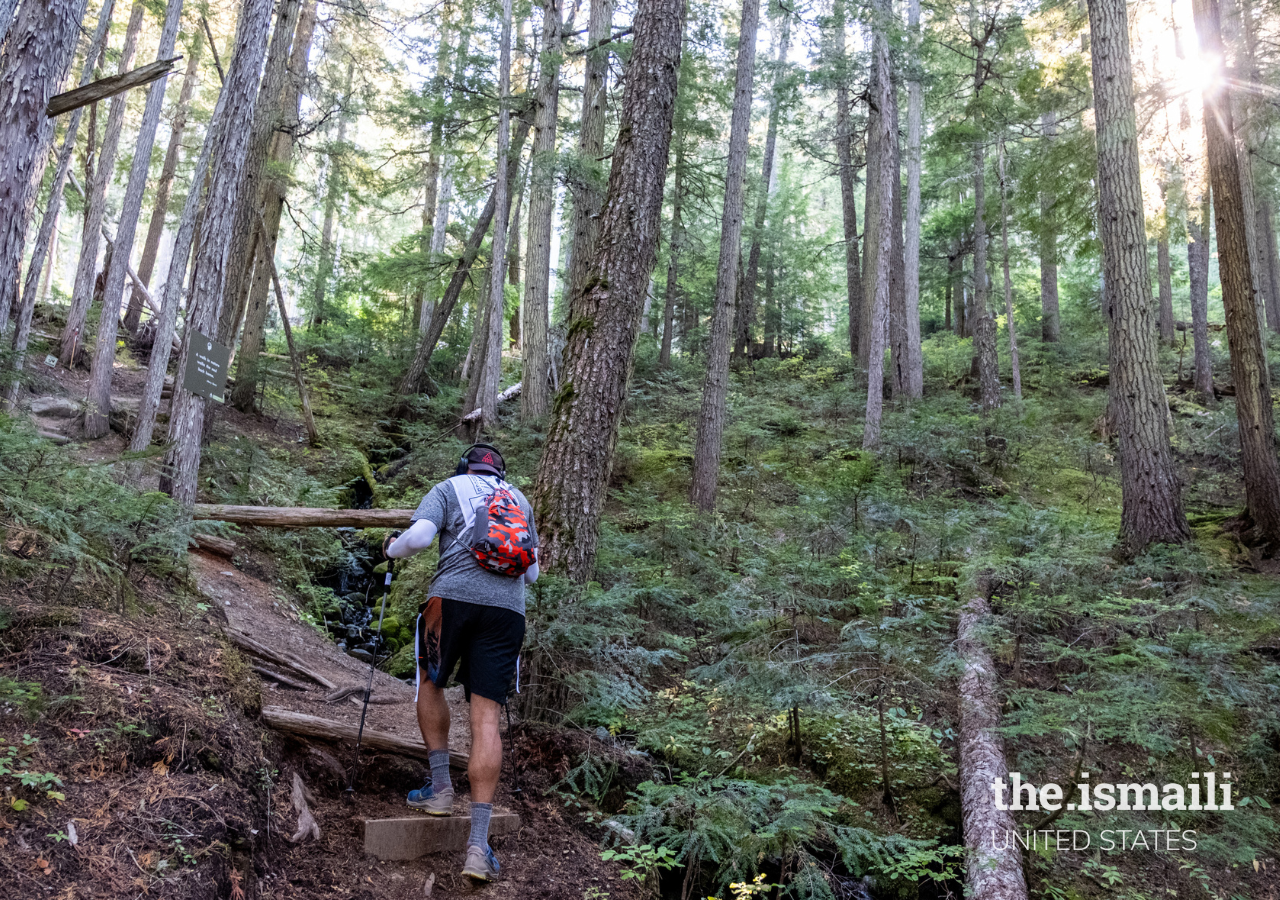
[402, 663]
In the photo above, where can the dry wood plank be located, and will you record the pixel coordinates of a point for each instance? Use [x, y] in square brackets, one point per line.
[303, 517]
[279, 657]
[415, 836]
[104, 88]
[994, 867]
[291, 722]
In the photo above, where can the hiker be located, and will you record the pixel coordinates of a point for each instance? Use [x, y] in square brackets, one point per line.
[473, 618]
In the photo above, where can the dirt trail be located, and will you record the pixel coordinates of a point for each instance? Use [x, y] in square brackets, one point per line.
[254, 608]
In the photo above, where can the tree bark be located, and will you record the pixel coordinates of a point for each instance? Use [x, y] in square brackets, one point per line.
[574, 470]
[992, 872]
[1050, 317]
[34, 62]
[1151, 502]
[1271, 259]
[97, 417]
[7, 9]
[186, 419]
[274, 192]
[96, 205]
[1244, 336]
[870, 221]
[1008, 281]
[1164, 275]
[324, 269]
[673, 259]
[911, 246]
[91, 94]
[491, 372]
[848, 176]
[984, 325]
[155, 228]
[158, 366]
[899, 320]
[588, 187]
[881, 136]
[426, 346]
[715, 386]
[247, 241]
[45, 249]
[1198, 270]
[746, 311]
[542, 206]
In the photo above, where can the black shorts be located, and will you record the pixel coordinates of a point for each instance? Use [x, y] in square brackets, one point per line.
[486, 640]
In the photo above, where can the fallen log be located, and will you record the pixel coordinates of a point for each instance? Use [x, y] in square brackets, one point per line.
[513, 391]
[279, 657]
[215, 545]
[301, 724]
[303, 517]
[994, 864]
[283, 680]
[105, 88]
[358, 693]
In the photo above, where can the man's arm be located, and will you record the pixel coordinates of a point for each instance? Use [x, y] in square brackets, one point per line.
[531, 573]
[418, 538]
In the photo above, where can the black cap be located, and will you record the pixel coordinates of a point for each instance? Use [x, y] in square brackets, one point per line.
[486, 459]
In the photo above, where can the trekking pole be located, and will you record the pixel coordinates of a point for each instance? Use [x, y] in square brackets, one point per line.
[368, 690]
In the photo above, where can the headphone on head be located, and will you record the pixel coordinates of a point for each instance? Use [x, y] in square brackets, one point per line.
[464, 463]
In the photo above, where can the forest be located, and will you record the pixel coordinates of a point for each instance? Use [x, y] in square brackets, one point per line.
[891, 384]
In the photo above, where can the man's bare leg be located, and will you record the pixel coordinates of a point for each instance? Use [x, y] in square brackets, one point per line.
[433, 716]
[485, 764]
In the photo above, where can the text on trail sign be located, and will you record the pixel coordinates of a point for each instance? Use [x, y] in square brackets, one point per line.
[206, 371]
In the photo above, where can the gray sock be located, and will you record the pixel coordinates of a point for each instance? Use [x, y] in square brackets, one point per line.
[440, 780]
[480, 813]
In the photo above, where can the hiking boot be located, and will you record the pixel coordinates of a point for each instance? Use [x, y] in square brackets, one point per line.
[481, 864]
[431, 803]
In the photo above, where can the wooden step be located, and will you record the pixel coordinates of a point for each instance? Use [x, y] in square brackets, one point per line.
[415, 836]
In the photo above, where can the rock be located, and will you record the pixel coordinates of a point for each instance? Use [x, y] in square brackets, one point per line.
[362, 655]
[58, 407]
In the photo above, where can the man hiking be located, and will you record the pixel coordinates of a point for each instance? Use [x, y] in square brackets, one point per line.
[473, 619]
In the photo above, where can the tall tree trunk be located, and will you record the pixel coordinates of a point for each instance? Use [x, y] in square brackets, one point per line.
[431, 179]
[1050, 318]
[274, 190]
[155, 228]
[1244, 336]
[96, 205]
[881, 136]
[1198, 219]
[1164, 275]
[984, 323]
[1271, 259]
[673, 259]
[324, 268]
[870, 222]
[98, 410]
[1008, 281]
[1151, 502]
[186, 419]
[491, 371]
[848, 176]
[588, 190]
[246, 241]
[715, 387]
[534, 398]
[746, 311]
[911, 246]
[7, 9]
[33, 65]
[171, 292]
[45, 248]
[426, 347]
[949, 289]
[899, 321]
[574, 470]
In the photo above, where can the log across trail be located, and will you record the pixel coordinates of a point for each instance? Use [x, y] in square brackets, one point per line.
[302, 516]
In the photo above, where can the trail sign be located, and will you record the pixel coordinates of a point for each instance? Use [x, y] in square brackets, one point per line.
[207, 364]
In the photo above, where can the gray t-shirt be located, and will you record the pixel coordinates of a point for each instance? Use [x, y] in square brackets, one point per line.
[458, 575]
